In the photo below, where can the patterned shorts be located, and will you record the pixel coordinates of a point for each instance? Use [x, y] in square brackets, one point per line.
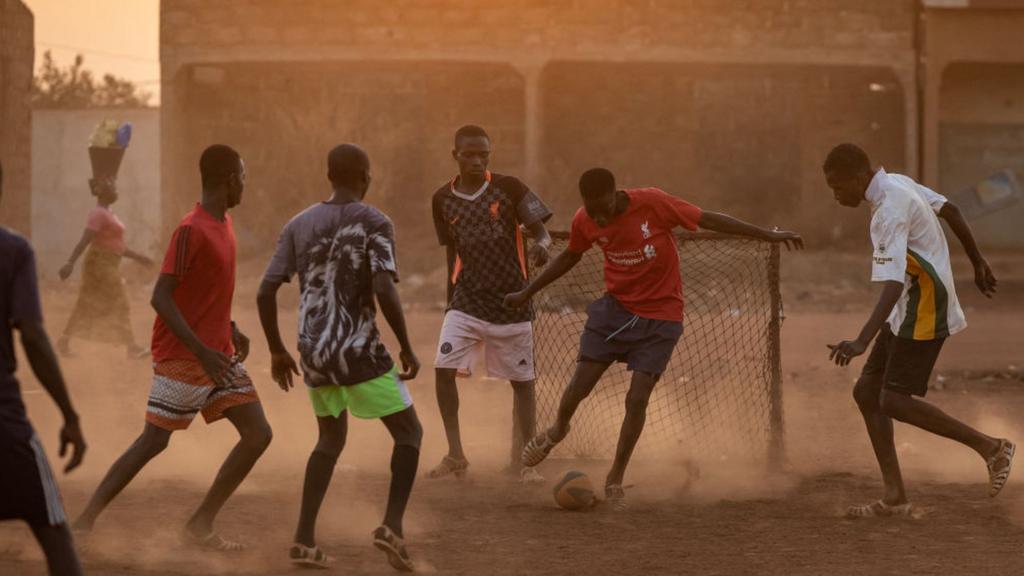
[181, 389]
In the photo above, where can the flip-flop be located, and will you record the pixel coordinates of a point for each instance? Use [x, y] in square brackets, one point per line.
[214, 541]
[997, 476]
[879, 509]
[306, 557]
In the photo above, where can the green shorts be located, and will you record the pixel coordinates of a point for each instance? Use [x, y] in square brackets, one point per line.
[382, 396]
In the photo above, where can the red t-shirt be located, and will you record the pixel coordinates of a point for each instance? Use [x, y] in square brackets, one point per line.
[641, 261]
[202, 256]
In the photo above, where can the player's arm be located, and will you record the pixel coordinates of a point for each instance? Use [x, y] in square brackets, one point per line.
[214, 363]
[983, 277]
[87, 235]
[541, 243]
[391, 307]
[44, 364]
[282, 365]
[450, 259]
[726, 224]
[558, 267]
[27, 318]
[846, 350]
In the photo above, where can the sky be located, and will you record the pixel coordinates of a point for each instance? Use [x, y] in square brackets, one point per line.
[120, 37]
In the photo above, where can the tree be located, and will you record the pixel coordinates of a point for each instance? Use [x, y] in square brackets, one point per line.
[76, 87]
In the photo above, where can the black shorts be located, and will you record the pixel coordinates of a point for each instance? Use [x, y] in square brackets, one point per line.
[28, 490]
[614, 334]
[904, 365]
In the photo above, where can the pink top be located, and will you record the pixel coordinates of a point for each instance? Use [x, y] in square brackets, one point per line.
[108, 228]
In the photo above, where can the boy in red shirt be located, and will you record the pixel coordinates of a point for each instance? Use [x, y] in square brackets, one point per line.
[640, 319]
[198, 352]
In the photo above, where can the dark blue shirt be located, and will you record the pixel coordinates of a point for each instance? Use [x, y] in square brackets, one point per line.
[19, 302]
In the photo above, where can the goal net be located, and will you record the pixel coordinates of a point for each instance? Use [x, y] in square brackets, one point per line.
[721, 393]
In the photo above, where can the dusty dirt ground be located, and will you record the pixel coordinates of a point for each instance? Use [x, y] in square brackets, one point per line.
[735, 520]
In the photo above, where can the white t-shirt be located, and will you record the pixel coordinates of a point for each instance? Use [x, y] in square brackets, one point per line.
[910, 248]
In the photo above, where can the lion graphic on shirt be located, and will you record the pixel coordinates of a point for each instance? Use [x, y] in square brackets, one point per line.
[329, 335]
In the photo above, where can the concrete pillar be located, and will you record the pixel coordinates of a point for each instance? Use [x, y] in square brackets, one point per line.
[930, 123]
[533, 131]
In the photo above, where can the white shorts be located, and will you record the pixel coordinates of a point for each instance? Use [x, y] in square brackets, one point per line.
[508, 348]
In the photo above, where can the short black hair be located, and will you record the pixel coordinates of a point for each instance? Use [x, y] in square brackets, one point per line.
[847, 160]
[345, 163]
[596, 181]
[470, 131]
[218, 162]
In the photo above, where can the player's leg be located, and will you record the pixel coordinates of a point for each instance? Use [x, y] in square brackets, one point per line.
[509, 355]
[907, 374]
[151, 442]
[524, 417]
[254, 438]
[586, 376]
[407, 433]
[866, 394]
[639, 395]
[58, 547]
[447, 392]
[459, 341]
[320, 468]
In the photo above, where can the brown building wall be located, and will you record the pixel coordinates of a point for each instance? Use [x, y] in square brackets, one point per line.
[16, 55]
[974, 113]
[728, 102]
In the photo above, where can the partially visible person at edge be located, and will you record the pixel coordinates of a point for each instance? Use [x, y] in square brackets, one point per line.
[102, 312]
[28, 490]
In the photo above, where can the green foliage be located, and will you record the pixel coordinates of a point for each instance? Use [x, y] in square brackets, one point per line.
[75, 87]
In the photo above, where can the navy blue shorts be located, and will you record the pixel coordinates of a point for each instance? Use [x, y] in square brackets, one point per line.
[28, 490]
[614, 334]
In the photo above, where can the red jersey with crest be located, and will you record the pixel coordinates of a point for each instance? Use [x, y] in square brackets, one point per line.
[641, 260]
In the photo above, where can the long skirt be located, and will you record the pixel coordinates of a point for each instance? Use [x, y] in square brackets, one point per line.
[101, 312]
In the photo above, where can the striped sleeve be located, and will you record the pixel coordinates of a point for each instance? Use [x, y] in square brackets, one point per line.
[180, 253]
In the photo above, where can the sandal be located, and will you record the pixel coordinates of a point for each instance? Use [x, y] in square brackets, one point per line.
[615, 496]
[529, 475]
[214, 541]
[449, 466]
[386, 540]
[999, 467]
[879, 509]
[306, 557]
[538, 448]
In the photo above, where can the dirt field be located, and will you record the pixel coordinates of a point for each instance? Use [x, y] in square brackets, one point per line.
[735, 520]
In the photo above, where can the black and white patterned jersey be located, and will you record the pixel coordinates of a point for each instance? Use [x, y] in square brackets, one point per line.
[484, 229]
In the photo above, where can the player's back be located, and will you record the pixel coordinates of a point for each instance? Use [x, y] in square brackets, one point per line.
[335, 249]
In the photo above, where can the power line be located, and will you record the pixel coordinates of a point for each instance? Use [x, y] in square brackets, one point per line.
[81, 49]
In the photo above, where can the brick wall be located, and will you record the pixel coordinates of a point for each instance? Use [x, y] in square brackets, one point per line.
[16, 54]
[729, 102]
